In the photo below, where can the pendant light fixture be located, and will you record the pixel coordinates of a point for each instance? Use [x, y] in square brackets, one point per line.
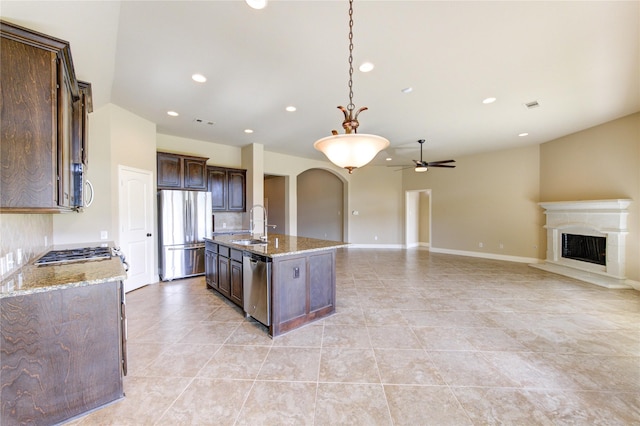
[351, 150]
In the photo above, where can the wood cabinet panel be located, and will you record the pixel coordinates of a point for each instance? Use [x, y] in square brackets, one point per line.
[169, 171]
[237, 190]
[224, 276]
[291, 296]
[61, 353]
[236, 294]
[217, 185]
[321, 290]
[39, 98]
[176, 171]
[228, 188]
[303, 290]
[195, 174]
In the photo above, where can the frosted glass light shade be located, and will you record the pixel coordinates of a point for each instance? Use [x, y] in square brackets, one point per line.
[352, 150]
[421, 169]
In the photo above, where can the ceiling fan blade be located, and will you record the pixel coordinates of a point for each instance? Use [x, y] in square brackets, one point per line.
[441, 162]
[442, 165]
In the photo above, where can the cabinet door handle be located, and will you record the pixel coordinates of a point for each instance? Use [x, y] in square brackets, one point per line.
[148, 234]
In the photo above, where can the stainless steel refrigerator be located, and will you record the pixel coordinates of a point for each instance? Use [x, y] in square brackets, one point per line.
[184, 220]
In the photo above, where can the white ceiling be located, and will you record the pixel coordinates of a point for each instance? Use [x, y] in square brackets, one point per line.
[579, 60]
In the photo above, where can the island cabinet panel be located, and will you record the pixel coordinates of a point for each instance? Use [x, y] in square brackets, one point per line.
[224, 275]
[211, 264]
[321, 286]
[303, 289]
[61, 353]
[291, 279]
[236, 292]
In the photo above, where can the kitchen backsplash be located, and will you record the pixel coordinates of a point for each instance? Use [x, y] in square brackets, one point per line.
[223, 220]
[26, 232]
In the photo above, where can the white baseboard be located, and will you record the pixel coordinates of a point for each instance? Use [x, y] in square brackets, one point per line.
[376, 246]
[493, 256]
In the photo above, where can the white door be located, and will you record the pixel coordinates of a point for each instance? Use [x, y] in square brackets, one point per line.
[137, 225]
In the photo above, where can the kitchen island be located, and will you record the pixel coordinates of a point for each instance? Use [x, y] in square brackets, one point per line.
[301, 285]
[62, 342]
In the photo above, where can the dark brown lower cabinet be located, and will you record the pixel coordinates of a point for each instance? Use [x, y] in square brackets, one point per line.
[211, 264]
[236, 291]
[228, 274]
[303, 289]
[61, 353]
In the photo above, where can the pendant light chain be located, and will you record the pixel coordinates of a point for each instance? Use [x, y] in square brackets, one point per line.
[351, 106]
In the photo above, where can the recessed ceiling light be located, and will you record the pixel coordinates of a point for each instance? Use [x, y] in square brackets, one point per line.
[488, 100]
[366, 67]
[172, 113]
[248, 131]
[388, 158]
[407, 90]
[291, 108]
[199, 78]
[257, 4]
[523, 134]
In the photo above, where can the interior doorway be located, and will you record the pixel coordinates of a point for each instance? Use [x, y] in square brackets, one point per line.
[136, 223]
[418, 218]
[320, 205]
[275, 200]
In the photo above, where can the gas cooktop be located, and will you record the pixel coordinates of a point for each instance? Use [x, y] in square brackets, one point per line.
[74, 255]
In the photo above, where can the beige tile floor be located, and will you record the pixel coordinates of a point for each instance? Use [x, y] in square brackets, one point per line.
[418, 338]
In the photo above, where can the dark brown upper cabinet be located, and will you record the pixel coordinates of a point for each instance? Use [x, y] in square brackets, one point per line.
[176, 171]
[42, 139]
[228, 188]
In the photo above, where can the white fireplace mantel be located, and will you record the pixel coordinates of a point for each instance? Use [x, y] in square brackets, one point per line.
[606, 218]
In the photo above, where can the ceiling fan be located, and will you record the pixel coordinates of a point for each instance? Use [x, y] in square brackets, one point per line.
[423, 166]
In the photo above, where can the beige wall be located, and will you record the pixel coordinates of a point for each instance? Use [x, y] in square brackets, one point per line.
[217, 154]
[376, 194]
[488, 198]
[116, 137]
[602, 162]
[86, 226]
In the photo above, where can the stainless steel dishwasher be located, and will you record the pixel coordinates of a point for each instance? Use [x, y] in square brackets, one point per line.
[256, 282]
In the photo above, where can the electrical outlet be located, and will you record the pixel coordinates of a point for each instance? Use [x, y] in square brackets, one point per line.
[375, 237]
[480, 245]
[104, 235]
[296, 272]
[19, 257]
[224, 225]
[501, 245]
[46, 241]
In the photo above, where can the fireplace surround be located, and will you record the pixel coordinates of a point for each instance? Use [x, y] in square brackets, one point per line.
[602, 225]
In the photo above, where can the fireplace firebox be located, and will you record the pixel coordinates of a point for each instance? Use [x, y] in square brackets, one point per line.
[585, 248]
[587, 240]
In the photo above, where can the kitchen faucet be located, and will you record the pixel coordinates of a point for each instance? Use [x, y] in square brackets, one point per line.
[264, 221]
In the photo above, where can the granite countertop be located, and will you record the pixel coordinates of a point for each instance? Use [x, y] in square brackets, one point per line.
[35, 279]
[279, 244]
[225, 231]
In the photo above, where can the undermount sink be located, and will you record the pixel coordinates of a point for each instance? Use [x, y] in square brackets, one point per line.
[249, 242]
